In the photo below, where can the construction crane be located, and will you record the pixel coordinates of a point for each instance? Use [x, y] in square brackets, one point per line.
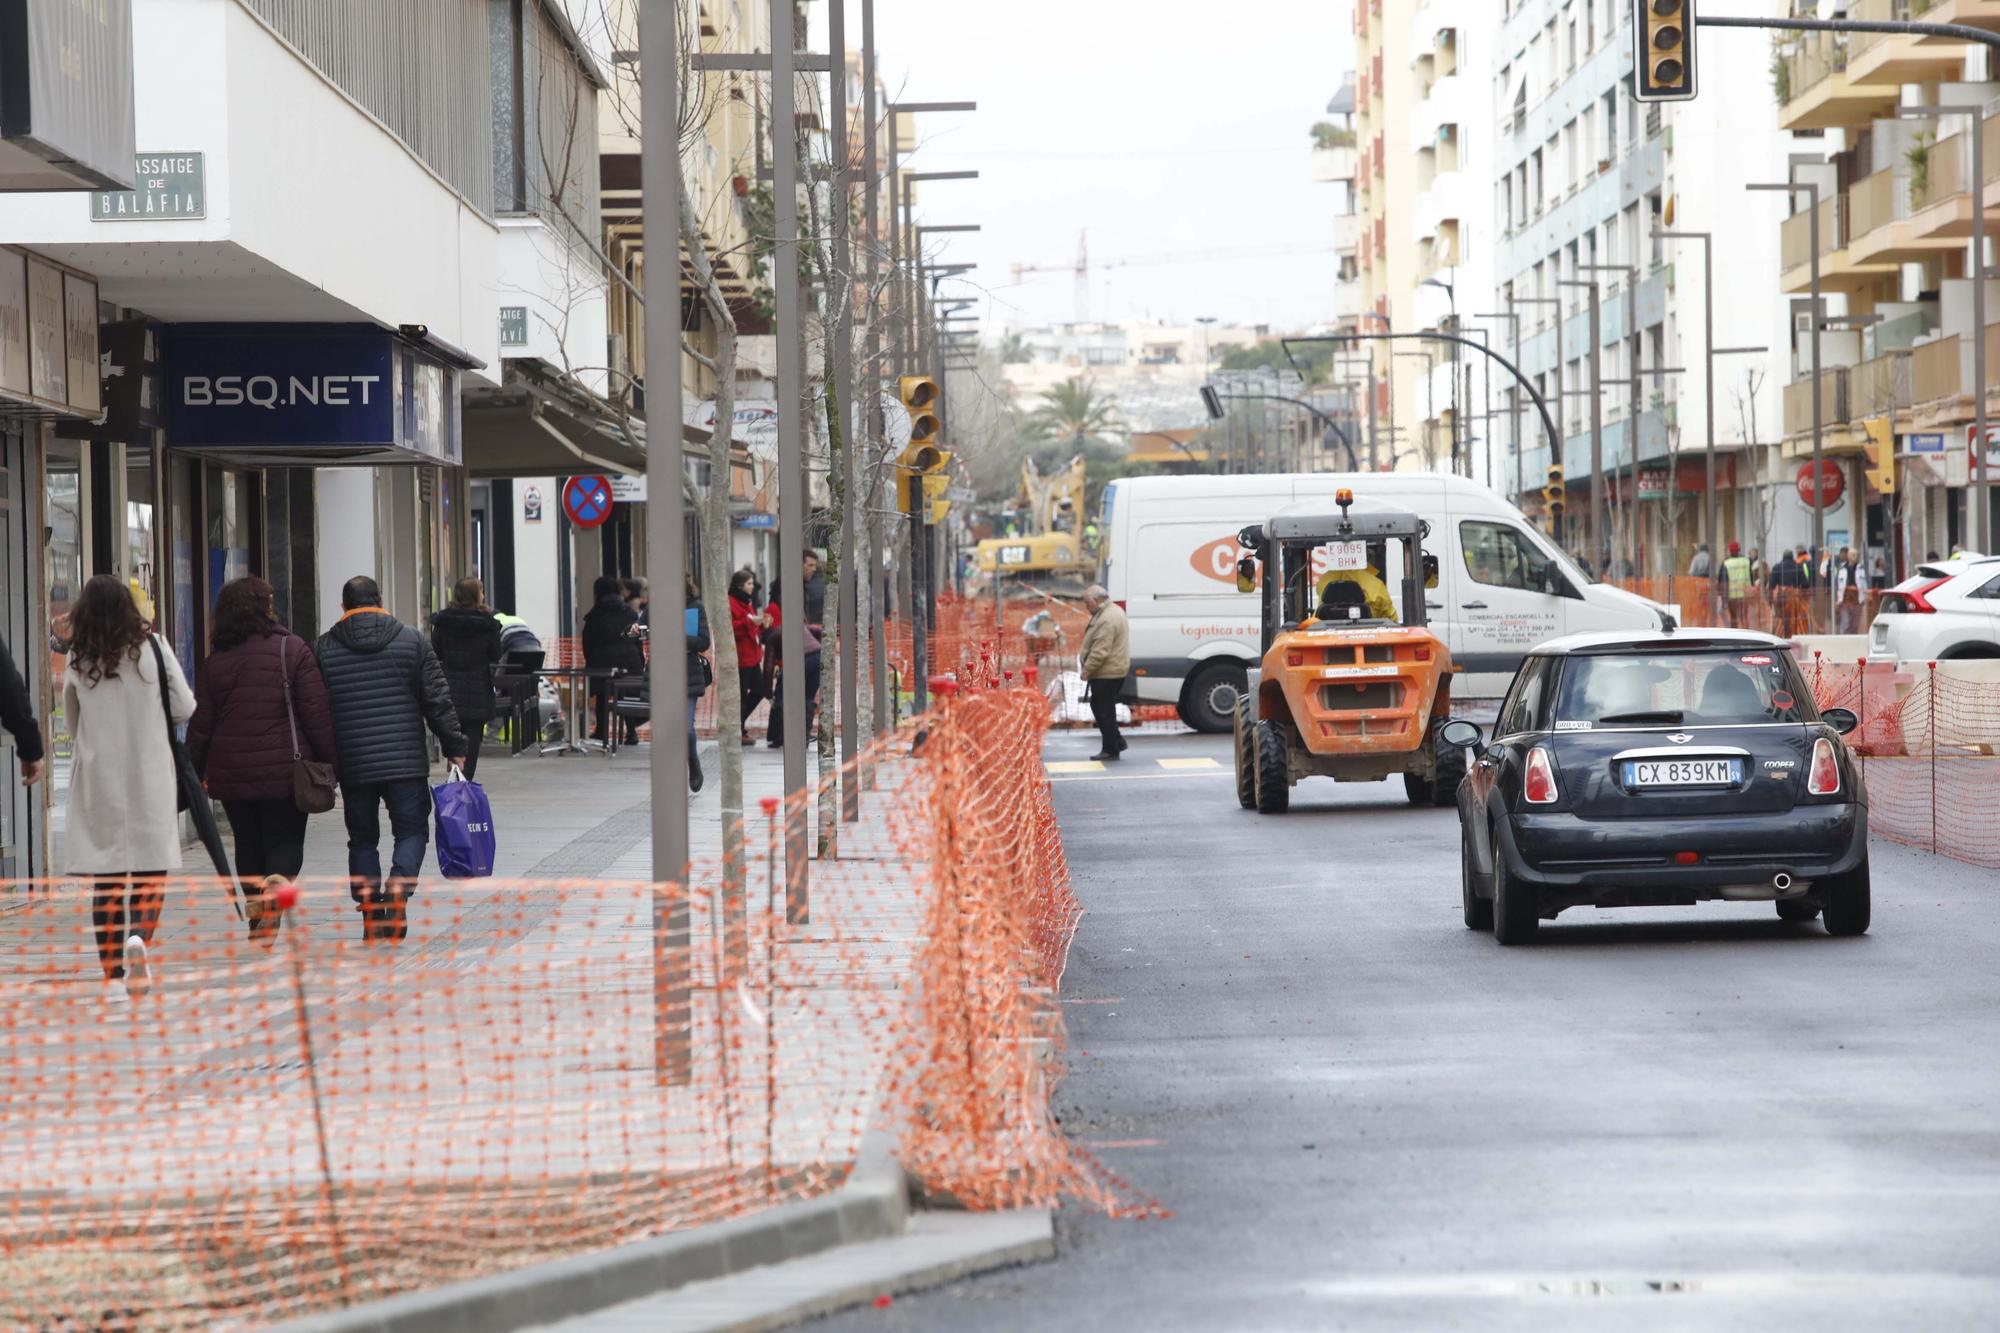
[1081, 265]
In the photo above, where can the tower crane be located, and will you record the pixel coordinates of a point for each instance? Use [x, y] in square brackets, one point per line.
[1081, 265]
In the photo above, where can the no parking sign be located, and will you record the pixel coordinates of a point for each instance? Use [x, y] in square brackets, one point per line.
[587, 501]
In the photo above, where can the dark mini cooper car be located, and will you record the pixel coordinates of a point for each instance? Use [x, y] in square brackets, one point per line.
[1661, 770]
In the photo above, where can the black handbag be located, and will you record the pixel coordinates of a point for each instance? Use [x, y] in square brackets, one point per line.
[312, 780]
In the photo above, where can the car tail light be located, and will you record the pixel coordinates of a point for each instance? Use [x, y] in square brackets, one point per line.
[1687, 858]
[1914, 603]
[1293, 659]
[1824, 777]
[1423, 652]
[1540, 787]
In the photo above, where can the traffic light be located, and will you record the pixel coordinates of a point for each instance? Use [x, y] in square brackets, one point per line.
[1663, 59]
[1555, 498]
[1881, 447]
[931, 464]
[920, 398]
[936, 486]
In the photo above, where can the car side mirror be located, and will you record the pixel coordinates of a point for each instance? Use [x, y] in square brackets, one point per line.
[1430, 571]
[1460, 735]
[1841, 720]
[1246, 575]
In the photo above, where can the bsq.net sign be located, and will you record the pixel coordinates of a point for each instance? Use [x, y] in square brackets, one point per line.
[283, 384]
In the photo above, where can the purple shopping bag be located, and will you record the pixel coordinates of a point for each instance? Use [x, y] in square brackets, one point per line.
[465, 842]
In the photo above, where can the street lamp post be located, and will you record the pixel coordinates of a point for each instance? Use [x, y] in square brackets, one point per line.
[1811, 190]
[1430, 398]
[1707, 239]
[1598, 482]
[1513, 318]
[1451, 296]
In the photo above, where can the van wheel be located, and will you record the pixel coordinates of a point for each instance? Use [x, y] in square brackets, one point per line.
[1517, 908]
[1246, 755]
[1274, 778]
[1208, 700]
[1847, 901]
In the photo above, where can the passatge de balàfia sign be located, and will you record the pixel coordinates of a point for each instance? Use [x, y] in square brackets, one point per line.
[355, 388]
[171, 185]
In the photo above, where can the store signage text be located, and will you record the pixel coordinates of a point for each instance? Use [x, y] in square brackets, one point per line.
[513, 326]
[264, 391]
[48, 335]
[171, 185]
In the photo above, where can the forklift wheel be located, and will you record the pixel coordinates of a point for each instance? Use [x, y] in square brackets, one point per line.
[1246, 753]
[1274, 786]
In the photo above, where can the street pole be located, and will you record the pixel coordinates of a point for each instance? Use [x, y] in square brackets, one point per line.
[1707, 239]
[666, 550]
[1628, 512]
[851, 417]
[878, 644]
[1513, 318]
[791, 449]
[1598, 482]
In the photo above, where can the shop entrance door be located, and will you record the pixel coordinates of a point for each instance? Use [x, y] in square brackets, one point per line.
[20, 858]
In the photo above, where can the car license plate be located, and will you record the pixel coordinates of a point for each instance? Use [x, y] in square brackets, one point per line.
[1683, 772]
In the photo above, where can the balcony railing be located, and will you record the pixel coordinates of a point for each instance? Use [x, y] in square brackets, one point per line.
[1818, 57]
[1833, 401]
[1872, 203]
[1880, 386]
[1944, 369]
[1874, 10]
[1795, 243]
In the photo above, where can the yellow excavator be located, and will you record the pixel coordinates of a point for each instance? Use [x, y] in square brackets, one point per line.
[1051, 553]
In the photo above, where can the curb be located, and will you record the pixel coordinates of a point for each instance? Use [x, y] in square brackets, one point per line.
[873, 1205]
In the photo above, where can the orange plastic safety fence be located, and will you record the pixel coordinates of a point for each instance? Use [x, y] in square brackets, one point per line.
[297, 1119]
[1787, 612]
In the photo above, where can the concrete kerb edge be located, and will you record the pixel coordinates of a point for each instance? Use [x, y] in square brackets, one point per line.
[872, 1205]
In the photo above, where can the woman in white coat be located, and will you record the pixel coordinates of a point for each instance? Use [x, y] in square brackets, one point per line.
[123, 827]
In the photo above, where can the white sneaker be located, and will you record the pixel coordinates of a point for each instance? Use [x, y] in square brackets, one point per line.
[138, 972]
[115, 994]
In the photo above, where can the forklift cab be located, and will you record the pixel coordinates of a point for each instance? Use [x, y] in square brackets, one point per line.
[1363, 567]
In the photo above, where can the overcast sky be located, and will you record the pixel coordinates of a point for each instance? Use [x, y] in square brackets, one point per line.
[1165, 127]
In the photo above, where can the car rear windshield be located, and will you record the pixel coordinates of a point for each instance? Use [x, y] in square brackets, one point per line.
[1708, 688]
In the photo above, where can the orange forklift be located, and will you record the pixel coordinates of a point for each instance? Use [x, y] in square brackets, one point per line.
[1354, 687]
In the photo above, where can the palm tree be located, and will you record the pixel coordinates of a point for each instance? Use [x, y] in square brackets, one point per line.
[1072, 411]
[1014, 350]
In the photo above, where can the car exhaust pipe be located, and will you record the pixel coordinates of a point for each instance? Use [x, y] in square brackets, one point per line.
[1781, 882]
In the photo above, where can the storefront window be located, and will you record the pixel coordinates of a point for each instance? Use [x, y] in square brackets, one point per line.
[180, 504]
[229, 533]
[66, 503]
[139, 531]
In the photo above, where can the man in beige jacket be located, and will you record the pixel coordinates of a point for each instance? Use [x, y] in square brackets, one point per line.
[1106, 660]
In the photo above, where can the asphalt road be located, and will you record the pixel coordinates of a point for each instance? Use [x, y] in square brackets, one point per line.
[1365, 1116]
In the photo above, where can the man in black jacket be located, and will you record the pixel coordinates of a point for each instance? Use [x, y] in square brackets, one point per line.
[385, 683]
[610, 642]
[17, 714]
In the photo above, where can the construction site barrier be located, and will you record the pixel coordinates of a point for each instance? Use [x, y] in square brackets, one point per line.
[306, 1120]
[1785, 612]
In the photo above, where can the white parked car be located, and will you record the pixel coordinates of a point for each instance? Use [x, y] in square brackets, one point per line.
[1946, 610]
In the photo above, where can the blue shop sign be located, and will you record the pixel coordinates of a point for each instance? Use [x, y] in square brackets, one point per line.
[342, 388]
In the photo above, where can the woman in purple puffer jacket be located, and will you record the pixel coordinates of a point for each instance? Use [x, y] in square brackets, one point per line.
[240, 738]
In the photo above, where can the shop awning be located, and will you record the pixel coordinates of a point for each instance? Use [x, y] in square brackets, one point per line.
[539, 424]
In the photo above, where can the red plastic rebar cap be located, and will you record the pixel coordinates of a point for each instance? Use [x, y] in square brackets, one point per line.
[945, 686]
[286, 897]
[770, 804]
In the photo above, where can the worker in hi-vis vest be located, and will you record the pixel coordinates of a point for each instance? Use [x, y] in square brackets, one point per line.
[1734, 576]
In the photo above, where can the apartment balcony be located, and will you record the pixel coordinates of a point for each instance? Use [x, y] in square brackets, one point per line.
[1334, 166]
[1841, 269]
[1816, 90]
[1966, 13]
[1890, 58]
[1446, 200]
[1880, 230]
[1850, 396]
[1942, 380]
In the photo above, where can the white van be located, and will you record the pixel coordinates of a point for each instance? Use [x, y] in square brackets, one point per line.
[1170, 561]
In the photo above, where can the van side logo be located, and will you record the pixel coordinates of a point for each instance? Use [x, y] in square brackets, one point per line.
[1217, 560]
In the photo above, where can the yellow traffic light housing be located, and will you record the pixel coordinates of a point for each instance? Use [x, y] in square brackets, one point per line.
[920, 398]
[1881, 448]
[1663, 61]
[930, 463]
[1555, 495]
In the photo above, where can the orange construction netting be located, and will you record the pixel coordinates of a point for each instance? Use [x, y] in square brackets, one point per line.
[304, 1120]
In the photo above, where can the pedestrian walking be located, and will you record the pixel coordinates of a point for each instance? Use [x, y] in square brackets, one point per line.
[385, 684]
[639, 597]
[610, 643]
[1733, 579]
[260, 707]
[1850, 588]
[468, 640]
[17, 715]
[1106, 661]
[122, 826]
[1701, 566]
[700, 675]
[774, 640]
[747, 624]
[1791, 578]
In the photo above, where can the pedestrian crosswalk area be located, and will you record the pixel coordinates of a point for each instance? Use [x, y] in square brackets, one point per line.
[1129, 767]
